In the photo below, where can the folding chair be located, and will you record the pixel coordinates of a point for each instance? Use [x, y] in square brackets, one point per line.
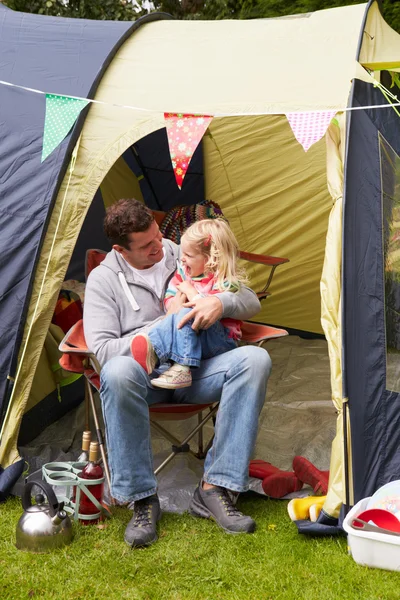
[78, 359]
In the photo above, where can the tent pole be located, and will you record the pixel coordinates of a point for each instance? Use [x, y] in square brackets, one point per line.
[346, 459]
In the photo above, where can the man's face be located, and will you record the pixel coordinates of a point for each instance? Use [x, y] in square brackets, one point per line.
[145, 248]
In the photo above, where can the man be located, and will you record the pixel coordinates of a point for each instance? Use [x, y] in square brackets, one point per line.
[124, 295]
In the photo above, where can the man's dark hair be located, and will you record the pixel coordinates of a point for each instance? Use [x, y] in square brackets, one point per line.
[124, 217]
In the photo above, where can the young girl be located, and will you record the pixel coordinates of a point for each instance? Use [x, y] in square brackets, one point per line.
[209, 253]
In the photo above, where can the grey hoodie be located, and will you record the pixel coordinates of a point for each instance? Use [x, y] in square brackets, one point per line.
[113, 315]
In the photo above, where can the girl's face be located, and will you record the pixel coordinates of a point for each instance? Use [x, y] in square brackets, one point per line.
[192, 258]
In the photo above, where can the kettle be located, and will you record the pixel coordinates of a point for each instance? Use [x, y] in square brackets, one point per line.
[42, 527]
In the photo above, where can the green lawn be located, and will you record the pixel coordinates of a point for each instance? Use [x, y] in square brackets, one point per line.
[193, 560]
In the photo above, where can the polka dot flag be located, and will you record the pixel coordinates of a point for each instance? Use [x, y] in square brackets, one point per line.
[61, 114]
[184, 134]
[310, 127]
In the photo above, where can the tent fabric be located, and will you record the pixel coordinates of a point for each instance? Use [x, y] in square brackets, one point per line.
[249, 81]
[374, 409]
[331, 302]
[380, 44]
[40, 53]
[120, 182]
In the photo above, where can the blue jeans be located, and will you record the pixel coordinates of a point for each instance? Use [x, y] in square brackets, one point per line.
[236, 379]
[185, 346]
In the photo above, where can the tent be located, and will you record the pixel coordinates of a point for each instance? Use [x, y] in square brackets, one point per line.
[331, 210]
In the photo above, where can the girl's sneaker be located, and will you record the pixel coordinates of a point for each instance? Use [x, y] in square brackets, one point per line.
[143, 352]
[174, 378]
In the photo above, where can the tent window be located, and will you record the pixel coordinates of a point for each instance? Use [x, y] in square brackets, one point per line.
[390, 175]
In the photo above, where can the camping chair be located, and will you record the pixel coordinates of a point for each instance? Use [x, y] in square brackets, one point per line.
[78, 359]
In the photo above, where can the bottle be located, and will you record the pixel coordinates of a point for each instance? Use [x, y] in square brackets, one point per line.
[91, 471]
[84, 455]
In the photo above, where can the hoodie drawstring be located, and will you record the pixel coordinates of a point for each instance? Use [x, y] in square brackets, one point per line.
[128, 293]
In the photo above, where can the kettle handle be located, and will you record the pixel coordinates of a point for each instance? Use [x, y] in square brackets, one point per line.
[47, 489]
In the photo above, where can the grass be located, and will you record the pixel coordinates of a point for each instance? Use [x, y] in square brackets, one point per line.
[193, 560]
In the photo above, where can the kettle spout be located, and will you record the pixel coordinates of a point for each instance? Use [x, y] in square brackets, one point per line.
[58, 517]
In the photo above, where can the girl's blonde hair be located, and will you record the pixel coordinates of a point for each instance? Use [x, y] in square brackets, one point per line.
[218, 244]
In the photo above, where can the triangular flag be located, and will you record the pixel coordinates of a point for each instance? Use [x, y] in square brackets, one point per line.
[61, 114]
[184, 134]
[309, 127]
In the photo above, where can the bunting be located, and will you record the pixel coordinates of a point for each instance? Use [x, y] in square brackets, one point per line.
[61, 114]
[309, 127]
[184, 134]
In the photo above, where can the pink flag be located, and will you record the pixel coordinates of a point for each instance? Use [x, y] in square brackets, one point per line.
[309, 127]
[184, 134]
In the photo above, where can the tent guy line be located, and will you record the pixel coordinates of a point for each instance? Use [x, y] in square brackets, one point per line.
[237, 114]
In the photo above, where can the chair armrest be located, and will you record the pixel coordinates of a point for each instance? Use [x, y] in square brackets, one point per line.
[262, 259]
[74, 341]
[268, 261]
[76, 355]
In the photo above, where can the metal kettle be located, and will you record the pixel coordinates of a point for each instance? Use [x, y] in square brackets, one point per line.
[42, 527]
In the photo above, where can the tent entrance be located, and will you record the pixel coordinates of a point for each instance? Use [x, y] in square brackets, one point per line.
[299, 386]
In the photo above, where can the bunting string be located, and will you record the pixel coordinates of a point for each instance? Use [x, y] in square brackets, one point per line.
[222, 114]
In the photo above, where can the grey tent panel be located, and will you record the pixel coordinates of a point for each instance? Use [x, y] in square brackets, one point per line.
[54, 55]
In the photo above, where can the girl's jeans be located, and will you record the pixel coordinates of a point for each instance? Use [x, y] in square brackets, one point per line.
[185, 346]
[237, 379]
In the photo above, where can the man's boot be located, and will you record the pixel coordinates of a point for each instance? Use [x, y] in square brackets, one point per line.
[216, 504]
[142, 528]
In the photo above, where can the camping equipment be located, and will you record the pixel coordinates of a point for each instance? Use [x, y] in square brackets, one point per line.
[358, 523]
[371, 548]
[380, 518]
[42, 527]
[78, 358]
[65, 478]
[387, 497]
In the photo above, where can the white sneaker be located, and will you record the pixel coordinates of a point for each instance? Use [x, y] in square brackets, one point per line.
[174, 378]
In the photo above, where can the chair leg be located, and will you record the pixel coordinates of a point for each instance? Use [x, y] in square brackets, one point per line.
[87, 407]
[99, 434]
[200, 440]
[189, 437]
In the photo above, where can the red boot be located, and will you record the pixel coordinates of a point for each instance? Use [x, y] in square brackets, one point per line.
[280, 484]
[308, 473]
[260, 469]
[276, 483]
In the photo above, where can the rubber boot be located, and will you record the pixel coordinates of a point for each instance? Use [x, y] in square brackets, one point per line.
[276, 483]
[299, 508]
[309, 474]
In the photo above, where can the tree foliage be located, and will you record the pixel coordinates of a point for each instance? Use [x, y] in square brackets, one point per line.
[128, 10]
[114, 10]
